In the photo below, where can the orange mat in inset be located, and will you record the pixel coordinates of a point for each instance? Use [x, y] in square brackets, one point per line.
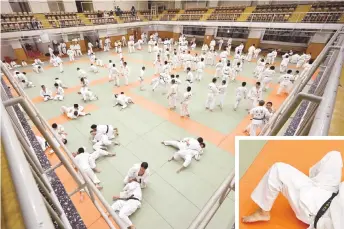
[302, 155]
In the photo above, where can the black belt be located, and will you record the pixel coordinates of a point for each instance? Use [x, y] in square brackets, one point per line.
[129, 198]
[107, 128]
[323, 209]
[258, 118]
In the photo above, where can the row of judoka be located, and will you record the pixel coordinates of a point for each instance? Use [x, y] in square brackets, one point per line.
[129, 200]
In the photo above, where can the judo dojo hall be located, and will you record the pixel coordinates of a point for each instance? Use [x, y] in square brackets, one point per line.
[42, 41]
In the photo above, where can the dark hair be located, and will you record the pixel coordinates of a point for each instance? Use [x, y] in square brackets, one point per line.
[144, 165]
[258, 83]
[243, 84]
[202, 59]
[122, 93]
[56, 85]
[188, 68]
[272, 67]
[113, 65]
[188, 89]
[202, 144]
[269, 103]
[289, 71]
[223, 81]
[173, 81]
[81, 150]
[214, 80]
[261, 102]
[200, 139]
[310, 61]
[76, 113]
[76, 105]
[64, 141]
[177, 76]
[94, 126]
[54, 125]
[297, 71]
[77, 68]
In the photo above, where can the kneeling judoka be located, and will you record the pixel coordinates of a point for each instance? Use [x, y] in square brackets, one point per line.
[128, 202]
[139, 173]
[317, 199]
[122, 100]
[105, 129]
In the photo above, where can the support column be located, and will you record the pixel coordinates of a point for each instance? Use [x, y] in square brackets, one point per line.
[317, 43]
[18, 50]
[70, 6]
[82, 43]
[6, 7]
[209, 35]
[177, 30]
[39, 6]
[254, 38]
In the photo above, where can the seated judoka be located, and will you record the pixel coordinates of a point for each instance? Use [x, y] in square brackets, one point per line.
[87, 94]
[37, 68]
[138, 173]
[45, 145]
[317, 199]
[59, 130]
[122, 100]
[99, 62]
[188, 148]
[45, 93]
[74, 112]
[109, 130]
[128, 202]
[94, 69]
[38, 62]
[59, 92]
[100, 140]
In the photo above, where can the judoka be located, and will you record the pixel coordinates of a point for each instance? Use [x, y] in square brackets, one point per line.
[73, 112]
[138, 173]
[46, 93]
[317, 199]
[258, 114]
[109, 130]
[240, 93]
[212, 93]
[285, 82]
[59, 92]
[122, 100]
[185, 101]
[255, 94]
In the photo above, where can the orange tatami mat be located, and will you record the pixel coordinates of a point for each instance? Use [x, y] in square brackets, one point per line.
[302, 154]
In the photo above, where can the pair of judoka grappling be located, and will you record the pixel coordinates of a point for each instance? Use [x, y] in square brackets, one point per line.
[129, 200]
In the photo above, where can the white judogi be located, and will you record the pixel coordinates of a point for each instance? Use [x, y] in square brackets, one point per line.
[294, 58]
[94, 69]
[78, 50]
[189, 78]
[51, 51]
[122, 100]
[150, 45]
[81, 73]
[24, 63]
[60, 131]
[274, 55]
[284, 64]
[267, 72]
[218, 69]
[99, 62]
[59, 94]
[87, 95]
[251, 50]
[114, 75]
[70, 53]
[226, 71]
[255, 95]
[256, 53]
[133, 173]
[240, 93]
[101, 141]
[83, 161]
[260, 68]
[46, 94]
[185, 104]
[285, 83]
[90, 46]
[42, 142]
[172, 95]
[269, 58]
[239, 48]
[223, 56]
[38, 69]
[64, 48]
[306, 194]
[26, 84]
[200, 69]
[222, 94]
[220, 44]
[107, 130]
[128, 207]
[125, 73]
[212, 45]
[212, 92]
[131, 46]
[258, 113]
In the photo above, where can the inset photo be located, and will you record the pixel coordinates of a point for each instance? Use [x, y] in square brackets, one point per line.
[289, 183]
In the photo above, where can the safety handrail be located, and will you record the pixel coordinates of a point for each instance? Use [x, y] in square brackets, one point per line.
[47, 132]
[282, 114]
[35, 214]
[214, 203]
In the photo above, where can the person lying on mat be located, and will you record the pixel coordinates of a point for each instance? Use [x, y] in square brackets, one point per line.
[317, 199]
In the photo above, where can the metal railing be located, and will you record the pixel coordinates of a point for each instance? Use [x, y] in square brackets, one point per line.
[322, 97]
[68, 162]
[35, 214]
[317, 17]
[209, 210]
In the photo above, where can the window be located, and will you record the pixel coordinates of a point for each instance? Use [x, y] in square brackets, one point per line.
[197, 31]
[288, 35]
[20, 6]
[233, 32]
[55, 6]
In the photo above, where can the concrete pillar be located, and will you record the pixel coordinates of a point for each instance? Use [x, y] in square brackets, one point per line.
[103, 5]
[254, 37]
[6, 7]
[18, 50]
[213, 3]
[209, 35]
[39, 6]
[82, 43]
[70, 6]
[178, 4]
[317, 43]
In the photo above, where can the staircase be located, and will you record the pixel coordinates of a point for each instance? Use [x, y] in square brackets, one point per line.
[84, 19]
[45, 23]
[299, 13]
[207, 14]
[247, 12]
